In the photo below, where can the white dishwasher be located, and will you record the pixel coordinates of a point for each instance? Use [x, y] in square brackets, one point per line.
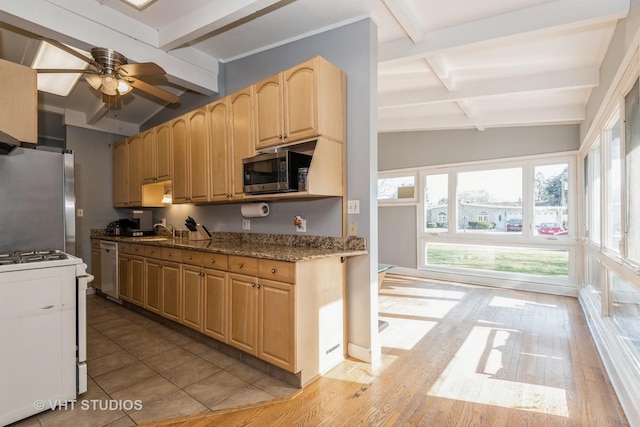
[109, 268]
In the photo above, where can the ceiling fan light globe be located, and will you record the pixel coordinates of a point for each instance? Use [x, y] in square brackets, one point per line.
[109, 82]
[123, 87]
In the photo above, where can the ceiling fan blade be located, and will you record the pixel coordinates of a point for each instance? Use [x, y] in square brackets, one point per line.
[70, 51]
[155, 91]
[145, 68]
[58, 70]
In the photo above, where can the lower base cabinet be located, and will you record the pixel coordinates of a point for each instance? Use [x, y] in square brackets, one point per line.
[290, 315]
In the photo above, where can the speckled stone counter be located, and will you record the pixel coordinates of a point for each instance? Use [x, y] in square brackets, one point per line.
[280, 247]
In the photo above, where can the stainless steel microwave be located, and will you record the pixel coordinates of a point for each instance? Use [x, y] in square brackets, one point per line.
[273, 172]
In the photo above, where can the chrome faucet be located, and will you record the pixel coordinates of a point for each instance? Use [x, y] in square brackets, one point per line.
[172, 230]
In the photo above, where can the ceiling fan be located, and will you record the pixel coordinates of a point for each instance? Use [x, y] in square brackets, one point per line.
[110, 73]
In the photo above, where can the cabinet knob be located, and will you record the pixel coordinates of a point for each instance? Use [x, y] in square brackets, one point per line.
[258, 286]
[201, 274]
[240, 265]
[284, 136]
[190, 257]
[169, 254]
[253, 285]
[213, 261]
[160, 266]
[273, 270]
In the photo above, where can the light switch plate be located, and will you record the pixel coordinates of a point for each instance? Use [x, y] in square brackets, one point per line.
[353, 207]
[353, 228]
[80, 213]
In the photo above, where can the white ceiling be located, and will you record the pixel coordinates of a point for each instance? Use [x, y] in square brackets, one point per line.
[461, 64]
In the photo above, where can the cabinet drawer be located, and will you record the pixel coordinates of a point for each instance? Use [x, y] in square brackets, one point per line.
[215, 261]
[192, 257]
[124, 248]
[136, 249]
[171, 254]
[243, 265]
[153, 251]
[95, 244]
[277, 270]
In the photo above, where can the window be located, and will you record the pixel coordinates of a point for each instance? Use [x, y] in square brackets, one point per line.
[625, 311]
[436, 202]
[632, 170]
[397, 187]
[613, 232]
[595, 194]
[488, 198]
[551, 190]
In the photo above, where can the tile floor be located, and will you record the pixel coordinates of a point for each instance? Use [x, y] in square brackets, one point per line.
[132, 358]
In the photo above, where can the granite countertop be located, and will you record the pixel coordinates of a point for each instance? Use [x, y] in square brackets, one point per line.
[268, 246]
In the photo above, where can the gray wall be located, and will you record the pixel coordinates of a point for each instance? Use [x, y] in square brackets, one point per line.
[397, 244]
[397, 231]
[398, 150]
[93, 155]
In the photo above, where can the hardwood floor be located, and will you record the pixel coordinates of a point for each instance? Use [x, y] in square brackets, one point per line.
[455, 355]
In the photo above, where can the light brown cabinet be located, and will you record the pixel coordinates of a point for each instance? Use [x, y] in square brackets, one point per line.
[156, 154]
[287, 314]
[302, 102]
[19, 100]
[242, 139]
[127, 185]
[218, 113]
[190, 139]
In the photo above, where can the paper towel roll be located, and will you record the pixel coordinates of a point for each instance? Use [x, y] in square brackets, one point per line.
[254, 210]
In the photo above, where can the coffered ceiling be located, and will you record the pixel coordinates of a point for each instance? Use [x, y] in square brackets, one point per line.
[462, 64]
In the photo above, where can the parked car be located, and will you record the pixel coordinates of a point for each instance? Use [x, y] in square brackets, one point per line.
[514, 224]
[550, 228]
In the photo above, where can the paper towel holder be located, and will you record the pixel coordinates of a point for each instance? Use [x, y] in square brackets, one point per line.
[254, 210]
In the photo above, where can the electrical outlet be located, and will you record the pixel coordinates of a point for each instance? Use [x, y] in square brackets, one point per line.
[80, 213]
[353, 207]
[246, 224]
[353, 228]
[302, 228]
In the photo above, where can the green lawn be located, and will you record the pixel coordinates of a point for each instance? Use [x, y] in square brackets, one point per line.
[542, 262]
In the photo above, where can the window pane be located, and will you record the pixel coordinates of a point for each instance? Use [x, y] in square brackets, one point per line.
[614, 187]
[402, 187]
[595, 196]
[632, 157]
[593, 278]
[625, 311]
[550, 198]
[540, 262]
[489, 200]
[436, 196]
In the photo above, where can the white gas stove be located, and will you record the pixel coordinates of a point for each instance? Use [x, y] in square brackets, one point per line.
[42, 330]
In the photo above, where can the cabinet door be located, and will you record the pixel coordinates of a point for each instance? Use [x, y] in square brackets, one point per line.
[153, 285]
[96, 262]
[124, 277]
[241, 141]
[171, 291]
[180, 176]
[243, 313]
[219, 161]
[134, 183]
[137, 280]
[269, 112]
[120, 197]
[163, 152]
[148, 160]
[192, 295]
[215, 304]
[300, 102]
[198, 164]
[276, 323]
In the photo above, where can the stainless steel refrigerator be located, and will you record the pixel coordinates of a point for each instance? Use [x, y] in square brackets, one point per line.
[37, 202]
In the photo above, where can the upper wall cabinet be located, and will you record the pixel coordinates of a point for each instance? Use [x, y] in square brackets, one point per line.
[127, 187]
[190, 141]
[302, 102]
[19, 100]
[241, 137]
[156, 154]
